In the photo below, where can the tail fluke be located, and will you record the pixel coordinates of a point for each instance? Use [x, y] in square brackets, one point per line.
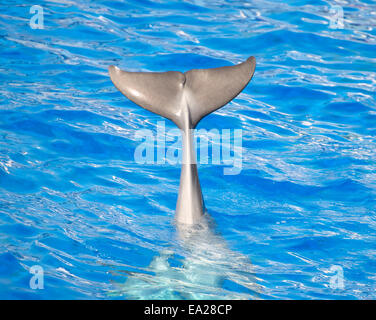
[158, 92]
[211, 89]
[185, 98]
[202, 91]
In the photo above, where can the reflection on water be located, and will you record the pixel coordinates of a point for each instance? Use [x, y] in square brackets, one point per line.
[73, 200]
[204, 265]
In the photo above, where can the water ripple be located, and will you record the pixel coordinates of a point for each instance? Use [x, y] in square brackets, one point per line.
[73, 200]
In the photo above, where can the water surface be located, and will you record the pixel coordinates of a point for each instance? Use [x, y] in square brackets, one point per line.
[74, 201]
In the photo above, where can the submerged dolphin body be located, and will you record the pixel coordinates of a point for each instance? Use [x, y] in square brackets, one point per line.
[185, 98]
[199, 265]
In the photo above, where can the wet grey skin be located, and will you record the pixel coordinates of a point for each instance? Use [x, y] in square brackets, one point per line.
[195, 266]
[185, 98]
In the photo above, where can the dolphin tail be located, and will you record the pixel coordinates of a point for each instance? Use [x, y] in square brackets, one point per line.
[185, 98]
[201, 91]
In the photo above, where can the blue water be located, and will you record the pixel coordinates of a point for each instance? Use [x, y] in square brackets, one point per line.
[73, 201]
